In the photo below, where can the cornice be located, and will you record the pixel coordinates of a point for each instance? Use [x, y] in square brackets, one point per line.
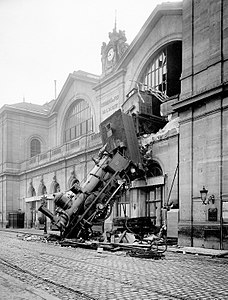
[192, 99]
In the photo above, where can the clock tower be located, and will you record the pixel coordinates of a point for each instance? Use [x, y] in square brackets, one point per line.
[111, 52]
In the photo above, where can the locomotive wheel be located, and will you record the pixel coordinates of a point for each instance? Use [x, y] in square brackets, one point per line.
[159, 246]
[106, 213]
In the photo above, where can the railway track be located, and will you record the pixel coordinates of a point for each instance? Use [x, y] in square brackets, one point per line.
[58, 290]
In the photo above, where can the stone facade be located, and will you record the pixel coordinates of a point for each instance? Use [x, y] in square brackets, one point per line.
[22, 122]
[202, 109]
[191, 149]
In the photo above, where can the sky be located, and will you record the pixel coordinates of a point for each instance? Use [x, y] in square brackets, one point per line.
[43, 41]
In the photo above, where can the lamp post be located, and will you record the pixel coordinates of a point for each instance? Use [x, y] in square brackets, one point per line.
[44, 203]
[206, 200]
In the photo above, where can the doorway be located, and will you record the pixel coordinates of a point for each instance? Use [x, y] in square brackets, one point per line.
[154, 204]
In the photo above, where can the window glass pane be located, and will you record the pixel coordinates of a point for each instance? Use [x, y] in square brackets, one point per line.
[164, 69]
[153, 66]
[160, 61]
[35, 147]
[83, 128]
[76, 119]
[156, 63]
[89, 125]
[160, 75]
[77, 129]
[72, 133]
[67, 135]
[70, 122]
[156, 77]
[149, 80]
[79, 120]
[153, 80]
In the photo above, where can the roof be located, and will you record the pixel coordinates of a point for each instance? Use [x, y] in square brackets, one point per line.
[76, 75]
[43, 109]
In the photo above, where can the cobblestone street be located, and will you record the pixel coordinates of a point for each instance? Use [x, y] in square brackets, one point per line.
[35, 269]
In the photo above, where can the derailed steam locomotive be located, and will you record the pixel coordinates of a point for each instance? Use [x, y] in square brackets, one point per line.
[82, 206]
[78, 209]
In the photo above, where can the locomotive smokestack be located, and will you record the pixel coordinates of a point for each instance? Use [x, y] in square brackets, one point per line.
[46, 212]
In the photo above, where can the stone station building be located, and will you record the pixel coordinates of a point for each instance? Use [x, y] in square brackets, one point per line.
[179, 57]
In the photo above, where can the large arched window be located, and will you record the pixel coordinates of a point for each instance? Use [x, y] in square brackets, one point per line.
[164, 70]
[35, 147]
[79, 121]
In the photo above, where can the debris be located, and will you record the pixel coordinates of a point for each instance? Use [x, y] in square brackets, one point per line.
[99, 250]
[75, 243]
[141, 253]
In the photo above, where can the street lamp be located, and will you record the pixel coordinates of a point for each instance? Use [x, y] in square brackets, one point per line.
[206, 200]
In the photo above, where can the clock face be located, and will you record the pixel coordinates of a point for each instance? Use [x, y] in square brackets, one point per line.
[110, 54]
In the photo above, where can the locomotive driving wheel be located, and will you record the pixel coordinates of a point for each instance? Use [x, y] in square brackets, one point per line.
[105, 212]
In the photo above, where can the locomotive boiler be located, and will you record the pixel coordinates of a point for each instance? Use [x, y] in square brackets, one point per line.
[78, 209]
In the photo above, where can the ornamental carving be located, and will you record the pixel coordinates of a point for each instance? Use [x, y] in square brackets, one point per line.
[73, 179]
[42, 190]
[55, 187]
[31, 190]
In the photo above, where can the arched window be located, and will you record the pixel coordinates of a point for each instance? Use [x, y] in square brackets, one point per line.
[35, 147]
[154, 169]
[79, 121]
[163, 71]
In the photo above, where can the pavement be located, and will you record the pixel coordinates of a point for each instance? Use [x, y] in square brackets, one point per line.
[14, 288]
[77, 273]
[173, 248]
